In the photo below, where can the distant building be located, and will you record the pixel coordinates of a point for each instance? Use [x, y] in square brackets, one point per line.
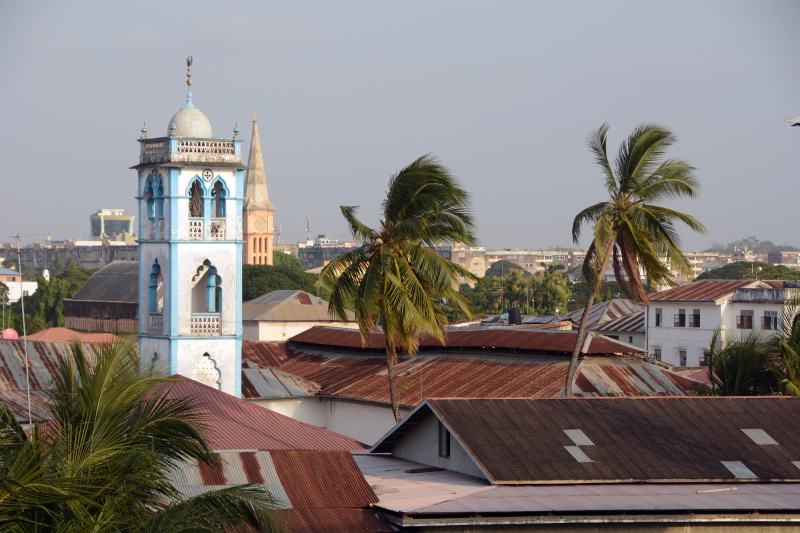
[109, 223]
[321, 251]
[11, 279]
[681, 322]
[108, 302]
[278, 315]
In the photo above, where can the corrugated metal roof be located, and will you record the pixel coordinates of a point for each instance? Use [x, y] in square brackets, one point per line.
[239, 424]
[273, 383]
[116, 282]
[508, 337]
[317, 491]
[448, 492]
[602, 312]
[633, 323]
[43, 357]
[621, 498]
[707, 290]
[288, 306]
[455, 374]
[70, 335]
[635, 439]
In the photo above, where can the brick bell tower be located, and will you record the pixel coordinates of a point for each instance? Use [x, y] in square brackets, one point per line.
[258, 210]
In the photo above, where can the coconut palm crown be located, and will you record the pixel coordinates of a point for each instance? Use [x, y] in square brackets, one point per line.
[631, 230]
[393, 277]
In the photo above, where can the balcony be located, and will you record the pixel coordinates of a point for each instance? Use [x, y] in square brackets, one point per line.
[151, 229]
[161, 229]
[196, 229]
[165, 150]
[206, 324]
[156, 325]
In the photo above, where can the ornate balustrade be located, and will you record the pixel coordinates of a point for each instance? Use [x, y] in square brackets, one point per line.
[217, 229]
[206, 325]
[196, 229]
[156, 324]
[161, 229]
[206, 147]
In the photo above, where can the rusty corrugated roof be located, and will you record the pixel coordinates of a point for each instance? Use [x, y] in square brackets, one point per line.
[507, 337]
[239, 424]
[70, 335]
[633, 439]
[633, 323]
[707, 290]
[317, 491]
[455, 374]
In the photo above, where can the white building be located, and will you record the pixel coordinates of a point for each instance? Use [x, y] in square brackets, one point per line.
[681, 322]
[11, 279]
[190, 251]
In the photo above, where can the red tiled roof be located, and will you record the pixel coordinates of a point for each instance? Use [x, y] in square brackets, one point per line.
[707, 290]
[238, 424]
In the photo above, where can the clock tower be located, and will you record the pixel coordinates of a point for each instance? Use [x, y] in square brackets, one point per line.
[258, 210]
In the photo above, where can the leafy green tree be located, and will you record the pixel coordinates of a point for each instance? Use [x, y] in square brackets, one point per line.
[631, 231]
[786, 344]
[499, 269]
[608, 290]
[289, 261]
[261, 279]
[394, 277]
[741, 366]
[102, 461]
[751, 243]
[748, 270]
[550, 292]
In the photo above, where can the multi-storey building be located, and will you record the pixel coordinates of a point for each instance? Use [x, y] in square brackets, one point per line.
[321, 251]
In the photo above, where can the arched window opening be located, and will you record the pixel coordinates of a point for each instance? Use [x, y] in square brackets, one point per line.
[218, 200]
[206, 371]
[148, 195]
[158, 193]
[259, 246]
[213, 292]
[196, 200]
[156, 289]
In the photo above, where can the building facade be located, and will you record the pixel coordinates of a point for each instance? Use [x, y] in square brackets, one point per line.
[190, 251]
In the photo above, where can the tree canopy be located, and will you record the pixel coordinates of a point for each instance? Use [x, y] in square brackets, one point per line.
[498, 269]
[753, 244]
[749, 270]
[261, 279]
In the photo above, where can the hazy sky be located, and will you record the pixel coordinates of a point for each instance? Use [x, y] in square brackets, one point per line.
[347, 93]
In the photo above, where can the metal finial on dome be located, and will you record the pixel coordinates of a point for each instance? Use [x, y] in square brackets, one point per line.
[172, 129]
[189, 72]
[236, 131]
[144, 130]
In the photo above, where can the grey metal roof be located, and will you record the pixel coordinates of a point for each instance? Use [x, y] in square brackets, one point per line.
[115, 282]
[288, 306]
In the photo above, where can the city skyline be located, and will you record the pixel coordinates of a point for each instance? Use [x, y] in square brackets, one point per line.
[346, 95]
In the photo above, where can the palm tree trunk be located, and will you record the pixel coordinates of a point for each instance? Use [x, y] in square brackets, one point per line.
[598, 279]
[391, 362]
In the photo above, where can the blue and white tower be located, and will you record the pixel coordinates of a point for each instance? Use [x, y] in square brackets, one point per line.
[190, 250]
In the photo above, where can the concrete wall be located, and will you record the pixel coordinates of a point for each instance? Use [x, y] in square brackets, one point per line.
[421, 444]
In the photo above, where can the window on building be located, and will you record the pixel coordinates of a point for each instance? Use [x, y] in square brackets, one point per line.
[657, 354]
[25, 293]
[682, 357]
[659, 317]
[158, 193]
[706, 358]
[218, 200]
[769, 320]
[694, 319]
[615, 337]
[680, 319]
[745, 320]
[630, 339]
[196, 200]
[444, 441]
[156, 294]
[148, 195]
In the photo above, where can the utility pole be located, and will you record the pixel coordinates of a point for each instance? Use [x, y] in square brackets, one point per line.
[24, 333]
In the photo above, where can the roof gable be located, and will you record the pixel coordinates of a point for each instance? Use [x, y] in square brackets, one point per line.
[288, 306]
[116, 282]
[622, 439]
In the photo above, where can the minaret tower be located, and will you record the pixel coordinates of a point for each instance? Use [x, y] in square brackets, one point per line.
[190, 250]
[258, 210]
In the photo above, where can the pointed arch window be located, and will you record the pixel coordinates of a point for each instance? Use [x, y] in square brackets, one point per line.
[196, 200]
[156, 289]
[148, 196]
[218, 200]
[158, 193]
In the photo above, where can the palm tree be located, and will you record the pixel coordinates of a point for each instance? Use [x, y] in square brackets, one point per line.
[741, 366]
[630, 227]
[102, 460]
[785, 349]
[393, 276]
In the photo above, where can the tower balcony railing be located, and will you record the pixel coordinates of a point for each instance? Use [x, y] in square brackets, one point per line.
[205, 324]
[166, 149]
[151, 227]
[217, 229]
[162, 224]
[156, 324]
[196, 229]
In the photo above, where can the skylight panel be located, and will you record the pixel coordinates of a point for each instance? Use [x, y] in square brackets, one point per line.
[578, 454]
[759, 436]
[739, 470]
[578, 437]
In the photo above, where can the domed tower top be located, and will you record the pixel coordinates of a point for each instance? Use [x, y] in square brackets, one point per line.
[189, 122]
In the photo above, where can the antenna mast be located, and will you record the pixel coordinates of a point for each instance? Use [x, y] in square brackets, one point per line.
[24, 332]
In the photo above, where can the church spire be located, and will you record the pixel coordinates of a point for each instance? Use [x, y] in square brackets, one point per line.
[256, 197]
